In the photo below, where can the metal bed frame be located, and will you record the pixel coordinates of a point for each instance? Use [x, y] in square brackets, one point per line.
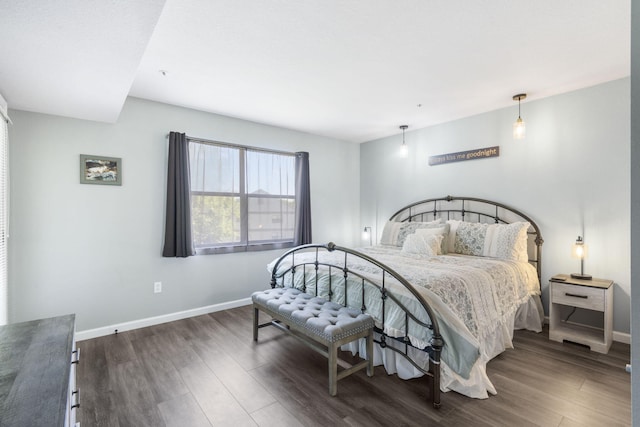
[449, 207]
[472, 209]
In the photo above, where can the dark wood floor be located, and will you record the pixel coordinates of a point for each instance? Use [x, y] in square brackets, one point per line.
[206, 371]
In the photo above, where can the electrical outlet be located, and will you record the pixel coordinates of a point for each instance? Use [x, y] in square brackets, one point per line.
[157, 287]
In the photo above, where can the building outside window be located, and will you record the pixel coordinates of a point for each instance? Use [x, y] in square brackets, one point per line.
[241, 198]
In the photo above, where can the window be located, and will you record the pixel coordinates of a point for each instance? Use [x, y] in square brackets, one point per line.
[241, 198]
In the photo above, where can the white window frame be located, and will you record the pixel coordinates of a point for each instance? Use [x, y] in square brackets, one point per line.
[244, 245]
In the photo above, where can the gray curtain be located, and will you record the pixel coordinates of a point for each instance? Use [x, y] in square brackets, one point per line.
[177, 232]
[302, 233]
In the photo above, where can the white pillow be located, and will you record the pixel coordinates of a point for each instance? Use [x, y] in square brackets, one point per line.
[390, 233]
[441, 230]
[451, 238]
[411, 227]
[423, 245]
[394, 233]
[507, 241]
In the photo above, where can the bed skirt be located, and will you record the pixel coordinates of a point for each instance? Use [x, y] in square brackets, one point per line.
[529, 315]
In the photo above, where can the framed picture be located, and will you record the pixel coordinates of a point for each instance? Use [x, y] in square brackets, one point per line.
[100, 170]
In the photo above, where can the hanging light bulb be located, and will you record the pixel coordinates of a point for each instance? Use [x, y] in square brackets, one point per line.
[404, 150]
[518, 126]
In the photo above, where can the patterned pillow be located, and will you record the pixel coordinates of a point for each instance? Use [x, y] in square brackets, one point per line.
[470, 238]
[422, 244]
[411, 227]
[394, 233]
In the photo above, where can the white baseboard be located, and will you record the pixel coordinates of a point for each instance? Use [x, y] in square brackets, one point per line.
[150, 321]
[622, 337]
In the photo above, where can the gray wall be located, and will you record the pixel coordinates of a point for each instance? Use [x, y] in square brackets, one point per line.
[95, 250]
[635, 209]
[570, 175]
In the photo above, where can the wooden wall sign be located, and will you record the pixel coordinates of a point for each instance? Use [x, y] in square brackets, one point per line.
[461, 156]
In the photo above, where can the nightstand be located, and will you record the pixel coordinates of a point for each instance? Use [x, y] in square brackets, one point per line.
[594, 294]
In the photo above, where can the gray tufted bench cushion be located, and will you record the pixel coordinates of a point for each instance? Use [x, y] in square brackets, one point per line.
[324, 322]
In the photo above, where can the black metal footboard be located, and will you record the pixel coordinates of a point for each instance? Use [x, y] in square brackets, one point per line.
[404, 319]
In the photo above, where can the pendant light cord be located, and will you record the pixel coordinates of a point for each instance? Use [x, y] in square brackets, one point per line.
[403, 127]
[519, 107]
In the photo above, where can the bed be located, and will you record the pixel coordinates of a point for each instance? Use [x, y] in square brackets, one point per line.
[449, 282]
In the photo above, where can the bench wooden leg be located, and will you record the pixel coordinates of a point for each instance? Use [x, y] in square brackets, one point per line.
[370, 354]
[333, 369]
[320, 343]
[255, 323]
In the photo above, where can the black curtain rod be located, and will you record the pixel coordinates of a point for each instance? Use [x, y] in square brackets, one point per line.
[245, 147]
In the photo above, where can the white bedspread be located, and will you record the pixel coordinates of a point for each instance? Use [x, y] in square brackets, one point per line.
[478, 302]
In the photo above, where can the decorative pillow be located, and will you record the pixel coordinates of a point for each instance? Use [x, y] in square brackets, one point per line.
[441, 230]
[394, 233]
[390, 233]
[450, 240]
[411, 227]
[507, 241]
[469, 239]
[422, 244]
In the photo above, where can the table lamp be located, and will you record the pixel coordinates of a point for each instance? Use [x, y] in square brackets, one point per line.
[580, 251]
[366, 235]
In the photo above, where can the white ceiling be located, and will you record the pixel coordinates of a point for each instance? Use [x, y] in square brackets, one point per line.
[349, 69]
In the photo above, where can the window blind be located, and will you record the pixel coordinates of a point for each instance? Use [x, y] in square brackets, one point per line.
[4, 216]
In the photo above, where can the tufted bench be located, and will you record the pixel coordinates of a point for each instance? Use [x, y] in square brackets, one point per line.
[321, 324]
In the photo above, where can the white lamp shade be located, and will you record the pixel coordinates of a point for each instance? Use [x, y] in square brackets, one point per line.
[519, 129]
[579, 251]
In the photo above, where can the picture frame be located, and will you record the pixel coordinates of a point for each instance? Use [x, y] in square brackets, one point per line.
[100, 170]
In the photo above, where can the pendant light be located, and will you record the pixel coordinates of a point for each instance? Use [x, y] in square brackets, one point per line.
[518, 126]
[404, 150]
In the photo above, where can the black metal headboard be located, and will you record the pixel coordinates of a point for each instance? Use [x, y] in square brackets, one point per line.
[472, 209]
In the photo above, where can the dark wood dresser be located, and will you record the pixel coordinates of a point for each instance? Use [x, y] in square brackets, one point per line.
[37, 373]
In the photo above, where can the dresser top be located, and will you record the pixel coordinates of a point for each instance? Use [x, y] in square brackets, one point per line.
[35, 364]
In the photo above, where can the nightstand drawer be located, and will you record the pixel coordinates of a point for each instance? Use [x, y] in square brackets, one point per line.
[578, 296]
